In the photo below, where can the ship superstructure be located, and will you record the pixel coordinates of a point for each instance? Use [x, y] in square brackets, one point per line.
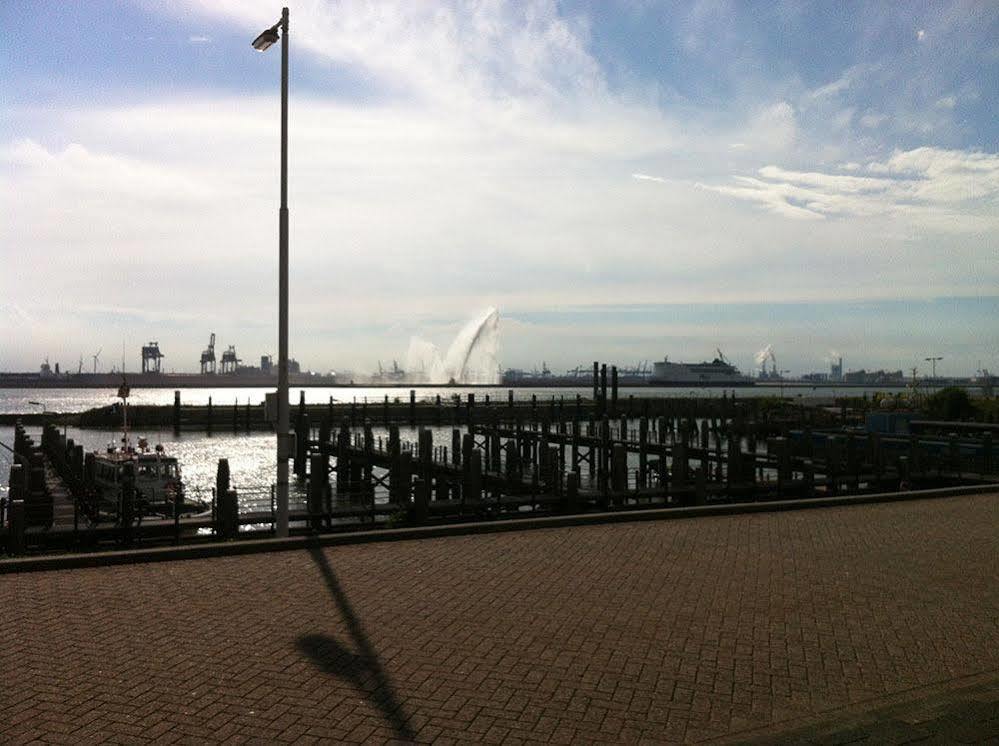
[719, 372]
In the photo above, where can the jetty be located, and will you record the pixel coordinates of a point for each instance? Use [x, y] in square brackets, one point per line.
[500, 461]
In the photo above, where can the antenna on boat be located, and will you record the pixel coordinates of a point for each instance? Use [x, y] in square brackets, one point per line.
[123, 392]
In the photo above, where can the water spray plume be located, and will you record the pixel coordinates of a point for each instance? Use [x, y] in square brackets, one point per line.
[762, 356]
[471, 357]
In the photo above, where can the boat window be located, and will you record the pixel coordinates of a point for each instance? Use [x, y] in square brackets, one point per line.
[147, 470]
[170, 470]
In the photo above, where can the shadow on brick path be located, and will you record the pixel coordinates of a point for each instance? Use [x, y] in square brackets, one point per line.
[363, 669]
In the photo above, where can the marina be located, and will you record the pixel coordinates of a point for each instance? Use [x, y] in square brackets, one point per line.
[415, 462]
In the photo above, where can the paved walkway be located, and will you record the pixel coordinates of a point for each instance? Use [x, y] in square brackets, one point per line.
[736, 628]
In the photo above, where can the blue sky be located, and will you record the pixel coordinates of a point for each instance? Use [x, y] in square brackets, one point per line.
[620, 179]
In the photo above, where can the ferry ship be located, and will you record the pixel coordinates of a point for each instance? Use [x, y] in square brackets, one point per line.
[719, 372]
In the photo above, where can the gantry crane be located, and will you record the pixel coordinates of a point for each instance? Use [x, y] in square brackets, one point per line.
[208, 357]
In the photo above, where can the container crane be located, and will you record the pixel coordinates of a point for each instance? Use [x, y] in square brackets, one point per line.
[208, 357]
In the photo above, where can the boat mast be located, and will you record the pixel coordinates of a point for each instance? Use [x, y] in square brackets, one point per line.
[123, 393]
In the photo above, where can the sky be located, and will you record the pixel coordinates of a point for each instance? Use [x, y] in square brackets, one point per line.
[623, 179]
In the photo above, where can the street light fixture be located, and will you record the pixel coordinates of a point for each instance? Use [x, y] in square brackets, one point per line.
[266, 38]
[285, 447]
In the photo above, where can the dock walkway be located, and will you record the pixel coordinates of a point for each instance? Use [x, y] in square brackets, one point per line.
[734, 628]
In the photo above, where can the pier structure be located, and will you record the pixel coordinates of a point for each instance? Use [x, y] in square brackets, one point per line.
[410, 464]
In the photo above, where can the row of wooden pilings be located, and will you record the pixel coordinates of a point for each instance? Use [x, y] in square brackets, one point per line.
[550, 459]
[28, 501]
[517, 461]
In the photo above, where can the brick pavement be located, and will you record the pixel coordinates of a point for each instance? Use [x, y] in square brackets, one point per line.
[731, 628]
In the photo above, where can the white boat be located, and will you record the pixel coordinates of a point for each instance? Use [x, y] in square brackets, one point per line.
[157, 477]
[719, 372]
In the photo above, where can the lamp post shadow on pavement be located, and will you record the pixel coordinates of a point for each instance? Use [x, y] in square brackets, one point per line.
[362, 667]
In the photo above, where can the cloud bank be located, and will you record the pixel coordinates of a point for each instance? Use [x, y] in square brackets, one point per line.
[486, 154]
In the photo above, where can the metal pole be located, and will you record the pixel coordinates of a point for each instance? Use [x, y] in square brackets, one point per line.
[283, 440]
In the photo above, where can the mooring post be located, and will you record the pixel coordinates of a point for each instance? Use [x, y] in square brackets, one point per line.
[369, 463]
[235, 415]
[734, 457]
[554, 476]
[301, 444]
[604, 456]
[603, 390]
[467, 446]
[472, 488]
[208, 423]
[619, 472]
[494, 449]
[681, 466]
[343, 459]
[317, 488]
[422, 501]
[393, 441]
[402, 481]
[596, 382]
[16, 544]
[455, 446]
[613, 407]
[176, 412]
[643, 456]
[412, 406]
[222, 477]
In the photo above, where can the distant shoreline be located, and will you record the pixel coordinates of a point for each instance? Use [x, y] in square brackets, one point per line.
[225, 383]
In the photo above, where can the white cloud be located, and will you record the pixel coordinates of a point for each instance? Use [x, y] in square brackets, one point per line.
[952, 190]
[199, 39]
[488, 165]
[873, 119]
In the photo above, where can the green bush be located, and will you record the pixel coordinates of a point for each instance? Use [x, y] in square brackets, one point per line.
[951, 403]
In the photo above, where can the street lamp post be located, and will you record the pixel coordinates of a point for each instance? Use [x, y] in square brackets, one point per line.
[284, 447]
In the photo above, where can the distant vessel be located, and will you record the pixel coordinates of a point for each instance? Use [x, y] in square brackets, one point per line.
[719, 372]
[395, 375]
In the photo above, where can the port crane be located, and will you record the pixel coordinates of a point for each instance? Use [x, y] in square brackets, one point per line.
[208, 357]
[933, 362]
[229, 360]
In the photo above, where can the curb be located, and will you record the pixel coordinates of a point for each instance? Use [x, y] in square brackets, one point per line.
[255, 546]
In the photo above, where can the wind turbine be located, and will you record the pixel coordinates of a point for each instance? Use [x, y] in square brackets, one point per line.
[95, 356]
